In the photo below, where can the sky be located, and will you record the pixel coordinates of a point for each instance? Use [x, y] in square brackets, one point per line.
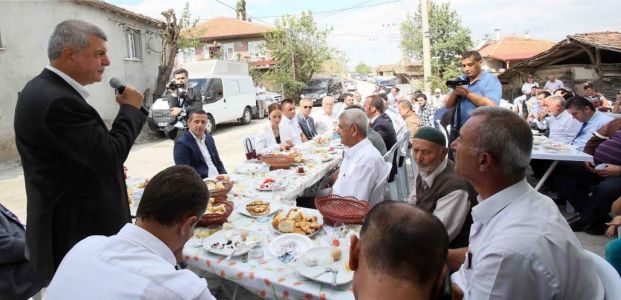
[368, 30]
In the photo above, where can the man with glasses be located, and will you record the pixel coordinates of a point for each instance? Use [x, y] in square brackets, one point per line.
[306, 122]
[290, 131]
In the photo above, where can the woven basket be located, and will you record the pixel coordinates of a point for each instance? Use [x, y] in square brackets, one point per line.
[216, 219]
[347, 210]
[221, 193]
[278, 161]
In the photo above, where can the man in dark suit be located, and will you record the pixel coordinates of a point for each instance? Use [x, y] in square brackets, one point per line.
[380, 121]
[18, 280]
[181, 101]
[197, 149]
[73, 165]
[307, 123]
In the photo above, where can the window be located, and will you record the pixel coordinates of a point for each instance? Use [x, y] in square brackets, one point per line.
[134, 44]
[212, 90]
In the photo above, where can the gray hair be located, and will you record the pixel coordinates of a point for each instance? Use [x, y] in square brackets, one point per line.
[406, 104]
[72, 34]
[506, 137]
[327, 99]
[356, 117]
[558, 99]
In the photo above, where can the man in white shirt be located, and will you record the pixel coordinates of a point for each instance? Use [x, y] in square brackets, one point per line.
[563, 127]
[439, 190]
[197, 149]
[553, 84]
[527, 86]
[326, 119]
[363, 167]
[437, 99]
[141, 261]
[290, 131]
[520, 245]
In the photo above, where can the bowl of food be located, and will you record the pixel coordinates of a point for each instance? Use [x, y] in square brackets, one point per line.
[278, 161]
[346, 210]
[296, 221]
[217, 212]
[219, 187]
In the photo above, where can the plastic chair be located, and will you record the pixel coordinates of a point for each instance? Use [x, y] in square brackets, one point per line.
[402, 175]
[389, 157]
[608, 275]
[377, 193]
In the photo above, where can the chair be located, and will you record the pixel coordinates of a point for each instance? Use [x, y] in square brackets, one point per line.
[402, 175]
[390, 157]
[608, 275]
[377, 193]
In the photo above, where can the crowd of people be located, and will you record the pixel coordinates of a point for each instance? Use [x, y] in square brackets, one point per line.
[473, 227]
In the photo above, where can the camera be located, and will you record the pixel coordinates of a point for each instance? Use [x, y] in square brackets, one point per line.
[173, 85]
[457, 82]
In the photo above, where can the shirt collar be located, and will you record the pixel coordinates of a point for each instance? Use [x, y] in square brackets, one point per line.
[594, 116]
[197, 139]
[429, 179]
[488, 208]
[374, 118]
[562, 115]
[353, 150]
[144, 238]
[76, 85]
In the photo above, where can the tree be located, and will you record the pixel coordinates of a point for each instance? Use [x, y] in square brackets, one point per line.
[449, 38]
[362, 68]
[337, 64]
[299, 48]
[174, 41]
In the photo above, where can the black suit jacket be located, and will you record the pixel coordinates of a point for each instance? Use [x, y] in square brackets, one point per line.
[73, 167]
[383, 126]
[186, 152]
[18, 280]
[192, 100]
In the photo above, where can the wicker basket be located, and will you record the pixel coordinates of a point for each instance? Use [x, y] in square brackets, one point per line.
[221, 193]
[347, 210]
[278, 161]
[216, 219]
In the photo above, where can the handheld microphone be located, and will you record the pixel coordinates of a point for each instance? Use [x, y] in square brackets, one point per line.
[117, 84]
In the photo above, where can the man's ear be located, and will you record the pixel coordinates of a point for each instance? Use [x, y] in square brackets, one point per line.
[68, 53]
[484, 160]
[354, 253]
[187, 225]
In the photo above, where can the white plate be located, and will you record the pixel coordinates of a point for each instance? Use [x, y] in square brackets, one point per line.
[327, 159]
[288, 247]
[306, 213]
[323, 257]
[276, 186]
[274, 207]
[223, 236]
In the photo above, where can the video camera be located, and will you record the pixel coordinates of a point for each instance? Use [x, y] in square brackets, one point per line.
[457, 82]
[173, 85]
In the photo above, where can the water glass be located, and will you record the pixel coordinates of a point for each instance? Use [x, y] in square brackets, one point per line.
[256, 254]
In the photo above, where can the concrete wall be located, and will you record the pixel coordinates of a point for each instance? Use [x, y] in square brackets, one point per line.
[25, 27]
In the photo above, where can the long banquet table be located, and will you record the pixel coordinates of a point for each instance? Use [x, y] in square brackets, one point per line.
[270, 278]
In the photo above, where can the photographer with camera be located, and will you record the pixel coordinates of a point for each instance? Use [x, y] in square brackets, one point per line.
[181, 101]
[474, 88]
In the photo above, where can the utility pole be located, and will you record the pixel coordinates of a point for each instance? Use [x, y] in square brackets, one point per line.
[426, 46]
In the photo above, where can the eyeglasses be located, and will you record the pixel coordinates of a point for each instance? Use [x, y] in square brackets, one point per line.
[307, 106]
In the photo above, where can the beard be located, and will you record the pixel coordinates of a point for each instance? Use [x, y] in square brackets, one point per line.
[426, 170]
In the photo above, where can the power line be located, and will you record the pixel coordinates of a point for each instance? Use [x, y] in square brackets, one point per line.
[235, 9]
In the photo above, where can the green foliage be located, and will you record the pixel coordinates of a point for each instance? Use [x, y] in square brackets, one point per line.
[186, 23]
[449, 38]
[300, 49]
[363, 69]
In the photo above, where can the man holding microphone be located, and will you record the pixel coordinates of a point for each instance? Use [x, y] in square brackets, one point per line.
[73, 165]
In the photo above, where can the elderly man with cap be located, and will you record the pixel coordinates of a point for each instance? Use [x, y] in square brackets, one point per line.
[439, 190]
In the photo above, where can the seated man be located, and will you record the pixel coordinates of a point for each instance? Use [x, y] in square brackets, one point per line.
[584, 111]
[197, 149]
[325, 120]
[140, 262]
[412, 122]
[380, 121]
[393, 113]
[290, 131]
[563, 127]
[438, 189]
[520, 245]
[401, 254]
[18, 279]
[306, 122]
[362, 166]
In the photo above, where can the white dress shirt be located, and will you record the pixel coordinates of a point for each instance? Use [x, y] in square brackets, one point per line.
[76, 85]
[324, 124]
[134, 264]
[522, 248]
[360, 171]
[265, 139]
[451, 209]
[597, 121]
[563, 127]
[290, 130]
[211, 167]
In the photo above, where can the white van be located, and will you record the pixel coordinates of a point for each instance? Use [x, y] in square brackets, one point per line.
[227, 92]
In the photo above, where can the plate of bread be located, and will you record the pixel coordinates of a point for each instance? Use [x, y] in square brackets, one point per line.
[294, 220]
[259, 208]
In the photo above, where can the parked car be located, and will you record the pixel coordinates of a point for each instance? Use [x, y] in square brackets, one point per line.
[387, 83]
[227, 92]
[350, 85]
[318, 88]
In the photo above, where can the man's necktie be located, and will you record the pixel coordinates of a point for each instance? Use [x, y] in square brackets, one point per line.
[580, 132]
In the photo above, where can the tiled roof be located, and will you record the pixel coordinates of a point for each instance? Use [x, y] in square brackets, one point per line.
[610, 40]
[122, 11]
[514, 48]
[227, 28]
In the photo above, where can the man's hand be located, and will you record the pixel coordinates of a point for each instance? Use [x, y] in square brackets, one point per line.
[613, 226]
[589, 165]
[461, 91]
[130, 96]
[609, 170]
[175, 111]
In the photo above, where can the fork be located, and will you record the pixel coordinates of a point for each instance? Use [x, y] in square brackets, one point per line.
[334, 269]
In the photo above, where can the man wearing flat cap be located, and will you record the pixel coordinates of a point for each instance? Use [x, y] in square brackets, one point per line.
[439, 190]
